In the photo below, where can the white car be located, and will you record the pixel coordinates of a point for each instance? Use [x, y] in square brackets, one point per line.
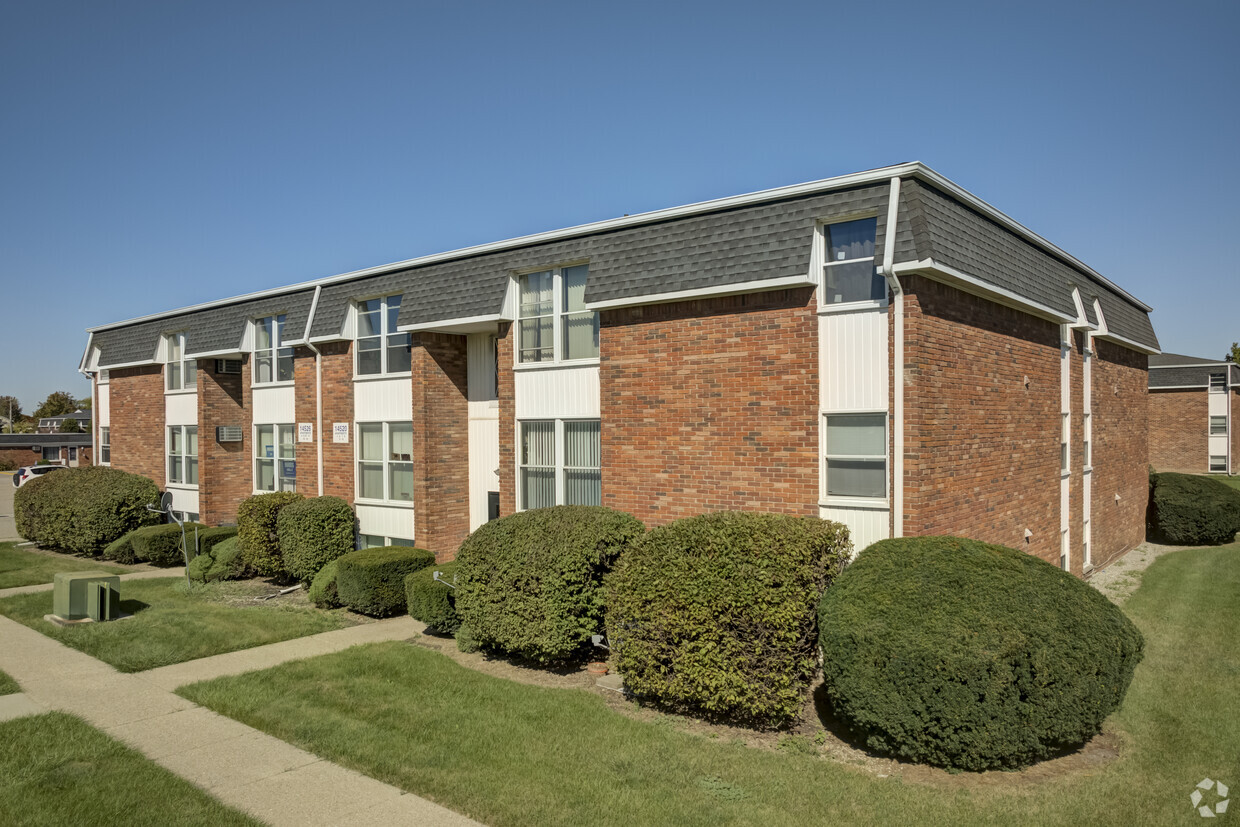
[29, 472]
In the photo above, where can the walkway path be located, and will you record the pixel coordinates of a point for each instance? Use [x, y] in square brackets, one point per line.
[242, 767]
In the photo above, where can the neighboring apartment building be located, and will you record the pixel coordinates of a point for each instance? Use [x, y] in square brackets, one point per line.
[1193, 409]
[56, 424]
[883, 349]
[72, 450]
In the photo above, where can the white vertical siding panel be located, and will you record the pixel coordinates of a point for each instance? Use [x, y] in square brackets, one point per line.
[865, 525]
[385, 521]
[566, 393]
[483, 466]
[1218, 405]
[481, 354]
[275, 405]
[104, 415]
[853, 360]
[184, 499]
[382, 400]
[181, 409]
[1218, 446]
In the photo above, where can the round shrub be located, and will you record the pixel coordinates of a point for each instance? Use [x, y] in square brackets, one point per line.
[82, 510]
[223, 561]
[312, 533]
[1188, 510]
[372, 581]
[256, 531]
[965, 655]
[121, 549]
[717, 614]
[160, 545]
[211, 537]
[322, 590]
[199, 567]
[531, 583]
[432, 601]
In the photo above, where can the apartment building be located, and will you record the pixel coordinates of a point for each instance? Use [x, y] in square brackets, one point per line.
[1193, 409]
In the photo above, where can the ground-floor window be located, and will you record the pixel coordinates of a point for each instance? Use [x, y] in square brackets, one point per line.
[385, 461]
[183, 455]
[275, 458]
[561, 463]
[856, 455]
[51, 454]
[1218, 463]
[379, 541]
[105, 446]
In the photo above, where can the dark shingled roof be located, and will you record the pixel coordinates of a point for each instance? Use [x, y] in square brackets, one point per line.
[1174, 370]
[29, 440]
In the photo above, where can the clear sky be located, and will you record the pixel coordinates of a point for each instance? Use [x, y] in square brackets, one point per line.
[160, 154]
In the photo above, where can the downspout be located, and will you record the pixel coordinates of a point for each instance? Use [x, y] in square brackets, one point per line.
[897, 297]
[94, 403]
[318, 385]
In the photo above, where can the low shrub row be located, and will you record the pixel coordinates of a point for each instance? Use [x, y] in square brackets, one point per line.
[82, 510]
[434, 601]
[372, 581]
[221, 561]
[284, 534]
[1189, 510]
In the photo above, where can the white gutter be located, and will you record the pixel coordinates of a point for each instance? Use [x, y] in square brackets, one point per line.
[897, 370]
[950, 275]
[94, 402]
[759, 286]
[318, 386]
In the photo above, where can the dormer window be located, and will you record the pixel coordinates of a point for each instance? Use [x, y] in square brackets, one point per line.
[555, 325]
[849, 272]
[381, 348]
[272, 361]
[180, 374]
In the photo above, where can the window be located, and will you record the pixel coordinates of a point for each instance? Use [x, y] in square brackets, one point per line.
[104, 376]
[376, 541]
[385, 461]
[570, 476]
[275, 458]
[857, 455]
[849, 272]
[181, 373]
[272, 361]
[1218, 382]
[380, 348]
[1087, 444]
[1218, 425]
[554, 324]
[105, 446]
[51, 454]
[1218, 463]
[183, 455]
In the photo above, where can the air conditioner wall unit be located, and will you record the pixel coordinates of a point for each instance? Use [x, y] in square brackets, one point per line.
[228, 366]
[228, 433]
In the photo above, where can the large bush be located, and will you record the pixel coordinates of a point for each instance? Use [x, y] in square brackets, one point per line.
[432, 601]
[717, 614]
[82, 510]
[372, 581]
[160, 545]
[531, 583]
[312, 533]
[211, 537]
[256, 531]
[322, 591]
[951, 652]
[1188, 510]
[222, 561]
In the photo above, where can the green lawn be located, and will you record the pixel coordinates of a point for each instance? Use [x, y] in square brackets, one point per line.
[57, 770]
[7, 685]
[1234, 482]
[512, 754]
[19, 567]
[172, 624]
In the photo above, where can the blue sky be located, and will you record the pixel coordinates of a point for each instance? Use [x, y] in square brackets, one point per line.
[157, 155]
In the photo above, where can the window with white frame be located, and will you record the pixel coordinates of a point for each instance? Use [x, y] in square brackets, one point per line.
[1087, 439]
[275, 458]
[105, 445]
[380, 347]
[50, 454]
[554, 323]
[857, 455]
[378, 541]
[181, 374]
[560, 463]
[104, 376]
[1218, 382]
[1218, 425]
[385, 461]
[273, 362]
[183, 455]
[849, 271]
[1218, 463]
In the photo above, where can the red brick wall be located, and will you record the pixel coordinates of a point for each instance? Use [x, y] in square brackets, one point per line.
[1121, 384]
[1076, 481]
[981, 447]
[306, 410]
[337, 407]
[441, 442]
[225, 469]
[24, 456]
[1235, 432]
[137, 416]
[707, 405]
[1179, 429]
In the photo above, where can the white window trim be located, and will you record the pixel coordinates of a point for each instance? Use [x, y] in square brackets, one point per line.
[1210, 424]
[276, 346]
[1220, 387]
[254, 458]
[105, 444]
[843, 500]
[558, 314]
[181, 340]
[819, 264]
[387, 541]
[384, 373]
[558, 468]
[168, 455]
[386, 461]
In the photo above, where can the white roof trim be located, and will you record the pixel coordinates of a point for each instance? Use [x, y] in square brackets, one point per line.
[1198, 365]
[215, 354]
[120, 365]
[492, 318]
[931, 269]
[760, 286]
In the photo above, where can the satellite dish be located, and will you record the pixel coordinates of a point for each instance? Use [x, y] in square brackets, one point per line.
[165, 501]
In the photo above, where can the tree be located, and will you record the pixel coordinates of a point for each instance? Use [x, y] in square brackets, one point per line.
[70, 426]
[23, 426]
[14, 412]
[1233, 355]
[58, 403]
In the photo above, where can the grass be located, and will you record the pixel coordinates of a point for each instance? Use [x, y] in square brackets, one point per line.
[57, 770]
[173, 624]
[1234, 482]
[7, 685]
[511, 754]
[27, 568]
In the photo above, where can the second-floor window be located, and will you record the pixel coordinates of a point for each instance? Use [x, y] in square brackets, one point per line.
[380, 347]
[183, 455]
[181, 374]
[555, 325]
[272, 361]
[849, 273]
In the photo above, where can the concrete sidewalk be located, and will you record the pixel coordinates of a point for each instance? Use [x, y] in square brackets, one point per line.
[155, 574]
[242, 767]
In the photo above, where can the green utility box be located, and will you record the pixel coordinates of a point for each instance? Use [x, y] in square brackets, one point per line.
[78, 595]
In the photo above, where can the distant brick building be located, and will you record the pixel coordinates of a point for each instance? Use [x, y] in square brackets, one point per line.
[883, 349]
[72, 450]
[1193, 408]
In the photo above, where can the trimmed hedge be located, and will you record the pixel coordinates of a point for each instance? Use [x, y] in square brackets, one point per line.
[432, 602]
[121, 549]
[212, 537]
[965, 655]
[256, 531]
[716, 614]
[82, 510]
[160, 545]
[531, 583]
[223, 561]
[1188, 510]
[313, 532]
[372, 581]
[323, 591]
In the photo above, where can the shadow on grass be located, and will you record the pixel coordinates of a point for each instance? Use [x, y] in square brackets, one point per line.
[132, 607]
